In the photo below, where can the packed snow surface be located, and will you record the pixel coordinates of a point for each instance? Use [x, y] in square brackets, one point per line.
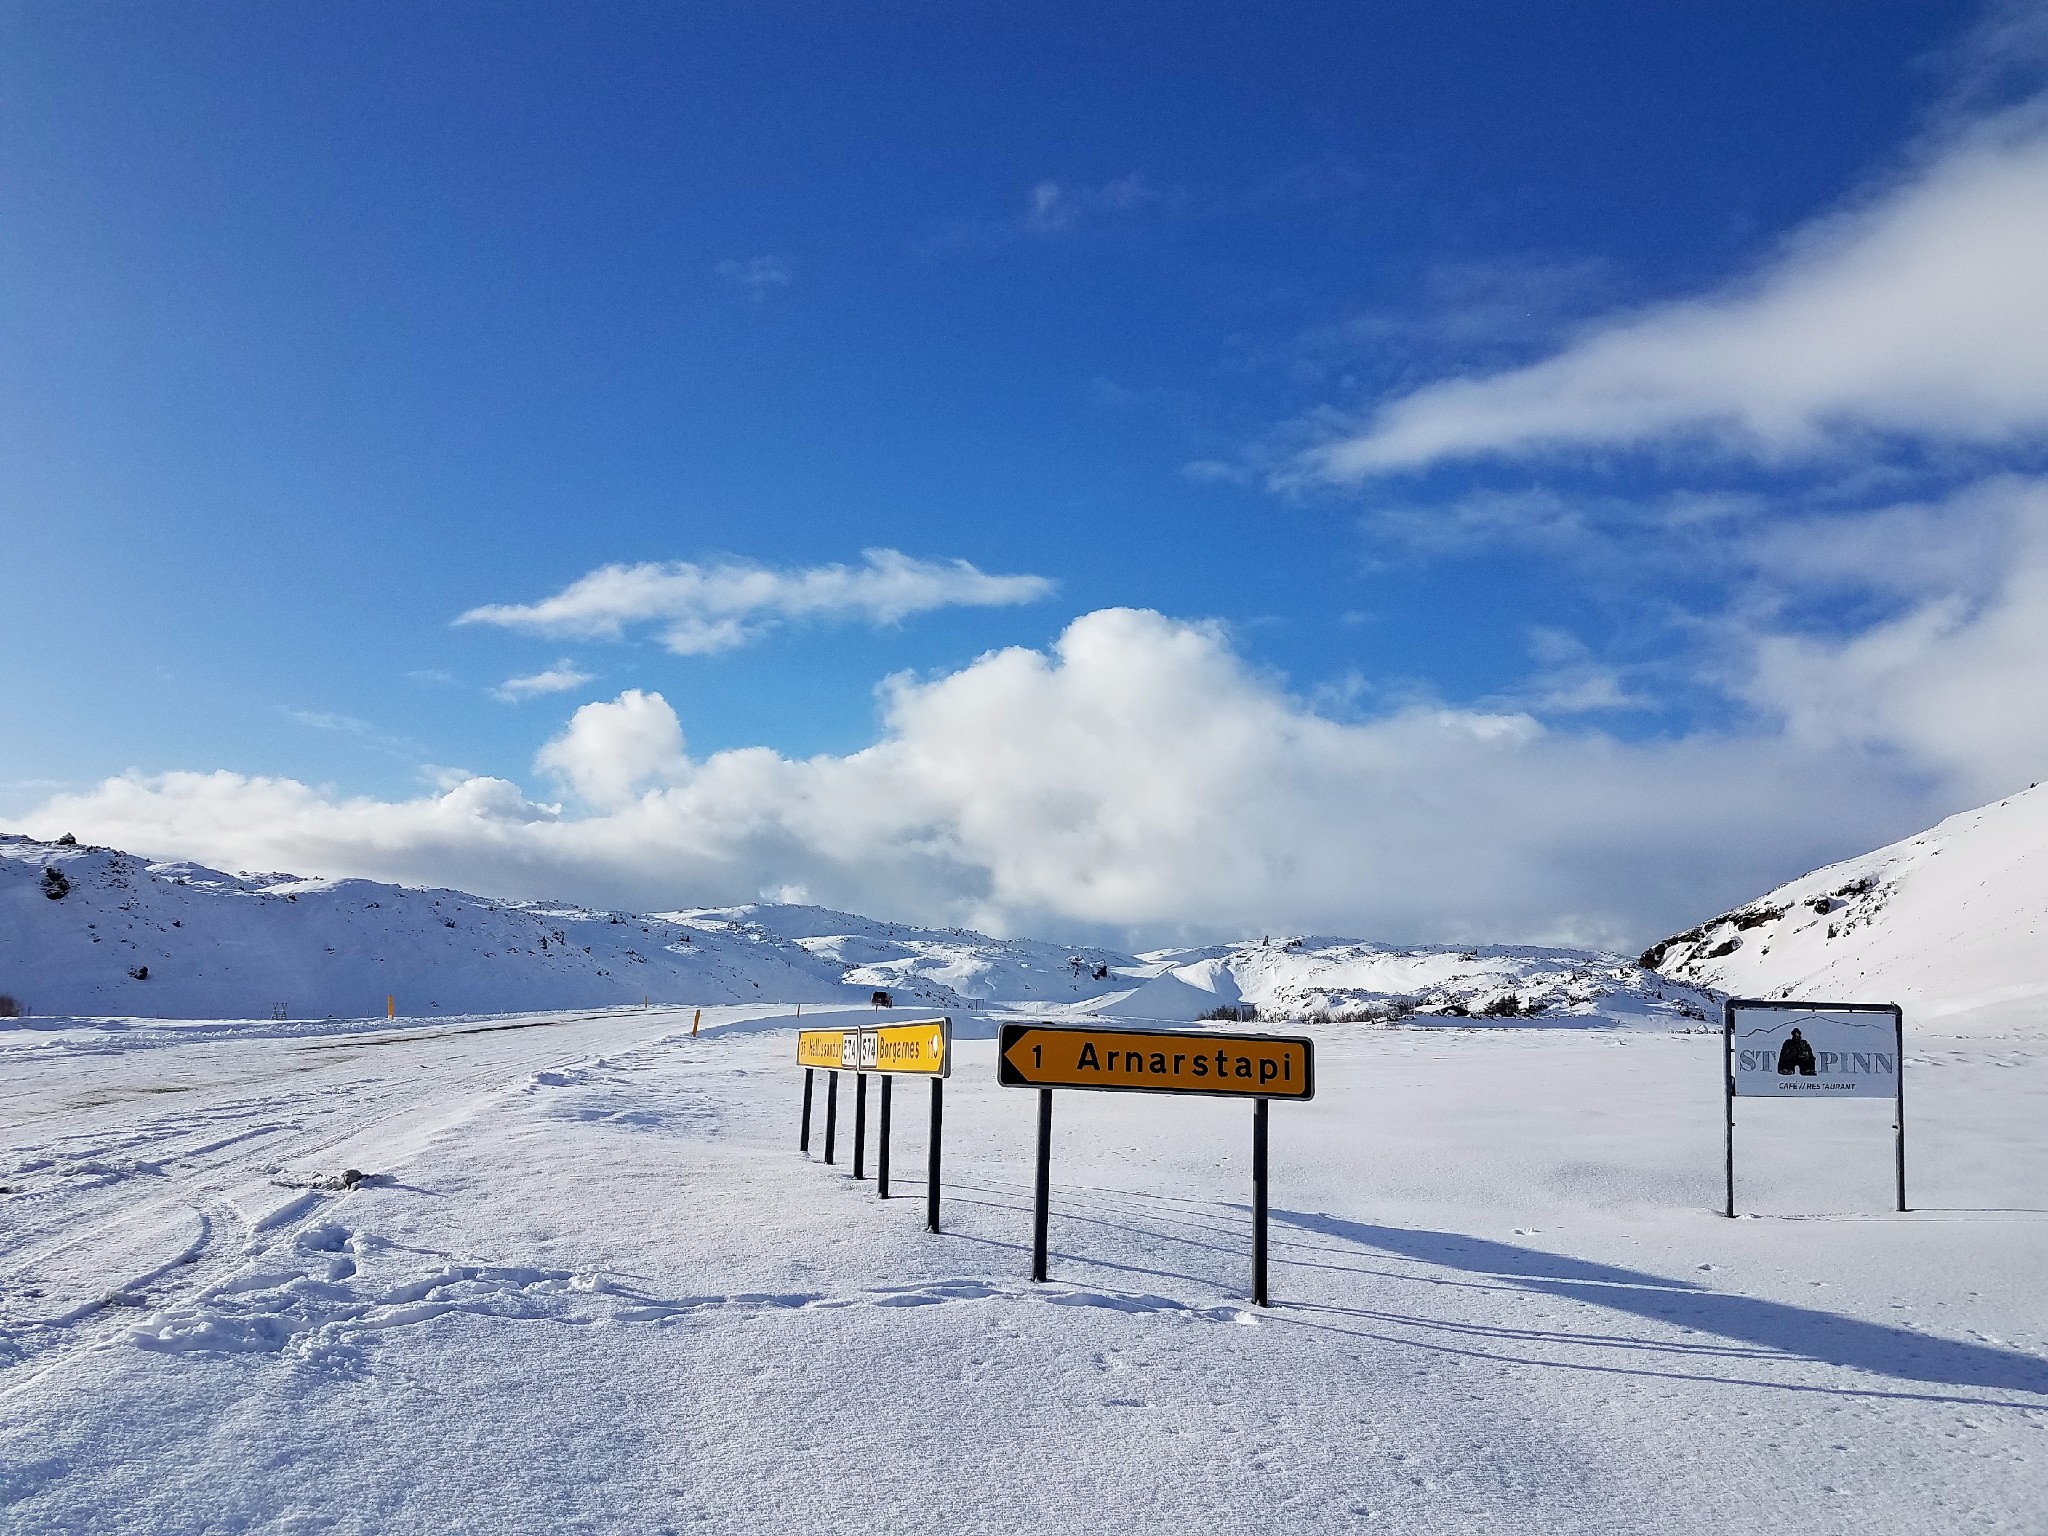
[1952, 924]
[569, 1272]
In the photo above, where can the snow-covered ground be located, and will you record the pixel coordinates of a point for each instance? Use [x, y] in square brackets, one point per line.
[1951, 923]
[589, 1284]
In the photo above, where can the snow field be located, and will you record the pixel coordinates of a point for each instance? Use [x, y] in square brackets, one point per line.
[589, 1284]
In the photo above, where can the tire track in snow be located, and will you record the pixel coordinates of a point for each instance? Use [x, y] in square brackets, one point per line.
[84, 1236]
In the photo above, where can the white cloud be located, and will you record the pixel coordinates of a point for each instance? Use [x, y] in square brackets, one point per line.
[1954, 682]
[759, 275]
[706, 608]
[560, 678]
[610, 752]
[1570, 681]
[1141, 777]
[1922, 312]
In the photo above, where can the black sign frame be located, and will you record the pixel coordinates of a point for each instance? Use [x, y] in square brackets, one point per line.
[1795, 1005]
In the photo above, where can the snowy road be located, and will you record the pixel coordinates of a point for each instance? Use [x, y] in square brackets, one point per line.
[150, 1172]
[589, 1284]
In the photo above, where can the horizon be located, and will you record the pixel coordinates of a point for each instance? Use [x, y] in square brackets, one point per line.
[1495, 478]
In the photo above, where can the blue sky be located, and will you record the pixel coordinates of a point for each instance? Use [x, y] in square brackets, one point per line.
[321, 329]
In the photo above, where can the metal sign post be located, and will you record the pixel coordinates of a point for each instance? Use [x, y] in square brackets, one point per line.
[1259, 1114]
[915, 1048]
[1899, 1108]
[1042, 1186]
[820, 1050]
[1728, 1123]
[1779, 1048]
[882, 1145]
[860, 1125]
[1256, 1067]
[931, 1175]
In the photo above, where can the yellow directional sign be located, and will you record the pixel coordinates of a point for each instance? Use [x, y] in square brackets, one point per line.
[922, 1049]
[1156, 1061]
[822, 1048]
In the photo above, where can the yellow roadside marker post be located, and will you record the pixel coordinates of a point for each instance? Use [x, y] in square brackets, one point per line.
[694, 1019]
[391, 1006]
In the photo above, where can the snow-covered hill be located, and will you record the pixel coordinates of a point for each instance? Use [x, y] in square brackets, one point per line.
[1951, 924]
[96, 931]
[952, 966]
[1272, 978]
[1344, 979]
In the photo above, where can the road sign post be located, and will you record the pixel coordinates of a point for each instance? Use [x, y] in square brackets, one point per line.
[1259, 1116]
[820, 1050]
[1728, 1104]
[860, 1125]
[1042, 1186]
[1200, 1062]
[931, 1173]
[915, 1048]
[1779, 1048]
[882, 1146]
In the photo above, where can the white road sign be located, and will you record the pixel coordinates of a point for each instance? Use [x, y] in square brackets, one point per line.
[1780, 1052]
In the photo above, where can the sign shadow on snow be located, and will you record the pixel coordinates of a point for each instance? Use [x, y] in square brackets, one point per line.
[1795, 1332]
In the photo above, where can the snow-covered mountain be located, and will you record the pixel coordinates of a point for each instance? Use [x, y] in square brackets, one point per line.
[1951, 924]
[955, 966]
[1272, 978]
[1309, 978]
[96, 931]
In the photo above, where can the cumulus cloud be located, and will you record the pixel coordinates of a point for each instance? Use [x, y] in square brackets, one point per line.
[560, 678]
[1140, 778]
[610, 752]
[700, 609]
[1920, 312]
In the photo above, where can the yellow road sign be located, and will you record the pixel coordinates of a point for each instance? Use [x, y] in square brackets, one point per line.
[822, 1048]
[1156, 1061]
[922, 1049]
